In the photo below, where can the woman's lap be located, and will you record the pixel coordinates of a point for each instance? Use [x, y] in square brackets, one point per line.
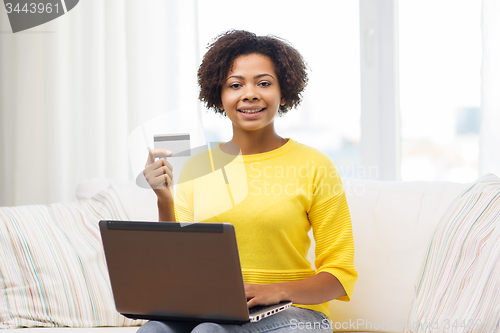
[293, 319]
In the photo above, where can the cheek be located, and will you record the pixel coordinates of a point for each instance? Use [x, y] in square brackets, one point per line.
[230, 101]
[227, 98]
[274, 98]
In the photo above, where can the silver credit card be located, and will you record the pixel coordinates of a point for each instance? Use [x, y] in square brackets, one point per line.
[178, 144]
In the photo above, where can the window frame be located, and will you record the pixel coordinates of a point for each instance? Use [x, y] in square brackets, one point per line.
[380, 151]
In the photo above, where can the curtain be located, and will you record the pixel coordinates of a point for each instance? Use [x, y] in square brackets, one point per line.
[489, 156]
[74, 89]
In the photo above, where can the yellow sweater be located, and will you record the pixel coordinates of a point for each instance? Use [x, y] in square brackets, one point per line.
[273, 199]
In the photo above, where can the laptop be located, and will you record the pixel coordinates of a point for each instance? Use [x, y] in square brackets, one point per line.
[178, 271]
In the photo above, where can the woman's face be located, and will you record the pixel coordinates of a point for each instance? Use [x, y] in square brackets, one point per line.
[251, 94]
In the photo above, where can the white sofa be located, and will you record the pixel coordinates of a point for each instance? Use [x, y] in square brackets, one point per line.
[393, 225]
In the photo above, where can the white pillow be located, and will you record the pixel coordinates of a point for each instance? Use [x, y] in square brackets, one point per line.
[139, 203]
[52, 267]
[392, 224]
[459, 286]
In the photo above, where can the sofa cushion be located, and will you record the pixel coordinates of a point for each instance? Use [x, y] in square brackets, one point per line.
[73, 330]
[459, 285]
[392, 223]
[52, 268]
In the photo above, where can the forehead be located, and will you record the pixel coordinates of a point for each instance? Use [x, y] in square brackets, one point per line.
[253, 63]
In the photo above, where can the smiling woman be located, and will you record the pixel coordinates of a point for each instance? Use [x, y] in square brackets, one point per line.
[251, 97]
[288, 66]
[250, 79]
[250, 86]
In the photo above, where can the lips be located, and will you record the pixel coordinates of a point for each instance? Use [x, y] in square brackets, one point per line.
[250, 110]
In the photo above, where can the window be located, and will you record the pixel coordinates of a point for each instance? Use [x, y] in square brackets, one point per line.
[440, 62]
[424, 57]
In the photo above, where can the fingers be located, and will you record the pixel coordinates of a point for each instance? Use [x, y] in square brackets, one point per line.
[161, 166]
[251, 303]
[159, 174]
[256, 300]
[155, 153]
[251, 294]
[160, 182]
[262, 294]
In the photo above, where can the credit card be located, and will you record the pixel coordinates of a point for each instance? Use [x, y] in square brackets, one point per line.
[178, 144]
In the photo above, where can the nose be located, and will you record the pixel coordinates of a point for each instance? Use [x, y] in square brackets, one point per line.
[250, 93]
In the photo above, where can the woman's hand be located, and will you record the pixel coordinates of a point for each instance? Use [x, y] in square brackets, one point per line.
[263, 294]
[159, 175]
[319, 288]
[158, 172]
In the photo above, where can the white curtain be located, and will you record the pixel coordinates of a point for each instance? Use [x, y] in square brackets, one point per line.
[72, 91]
[489, 159]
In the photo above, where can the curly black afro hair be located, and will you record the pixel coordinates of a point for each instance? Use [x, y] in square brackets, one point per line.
[289, 65]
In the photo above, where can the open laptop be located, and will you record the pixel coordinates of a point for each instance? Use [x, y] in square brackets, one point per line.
[178, 271]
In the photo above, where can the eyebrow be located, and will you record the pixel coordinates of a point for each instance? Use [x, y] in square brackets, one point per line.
[255, 77]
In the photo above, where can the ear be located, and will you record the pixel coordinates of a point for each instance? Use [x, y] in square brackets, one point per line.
[282, 102]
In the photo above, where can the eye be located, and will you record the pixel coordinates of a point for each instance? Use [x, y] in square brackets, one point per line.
[234, 85]
[264, 83]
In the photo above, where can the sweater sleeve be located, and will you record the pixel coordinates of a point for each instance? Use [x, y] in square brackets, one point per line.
[332, 230]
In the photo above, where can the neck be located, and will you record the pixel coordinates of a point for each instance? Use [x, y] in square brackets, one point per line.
[256, 142]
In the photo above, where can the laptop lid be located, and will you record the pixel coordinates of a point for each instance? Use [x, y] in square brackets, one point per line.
[175, 271]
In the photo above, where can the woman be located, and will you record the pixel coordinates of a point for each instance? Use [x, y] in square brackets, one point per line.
[290, 188]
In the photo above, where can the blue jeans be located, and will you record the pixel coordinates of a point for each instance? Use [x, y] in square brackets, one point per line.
[291, 320]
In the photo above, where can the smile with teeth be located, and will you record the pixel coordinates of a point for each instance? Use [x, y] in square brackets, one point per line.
[251, 111]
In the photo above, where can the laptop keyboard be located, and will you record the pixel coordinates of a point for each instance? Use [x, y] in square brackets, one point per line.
[256, 308]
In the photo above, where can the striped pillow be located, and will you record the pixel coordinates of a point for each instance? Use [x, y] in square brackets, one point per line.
[52, 268]
[459, 286]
